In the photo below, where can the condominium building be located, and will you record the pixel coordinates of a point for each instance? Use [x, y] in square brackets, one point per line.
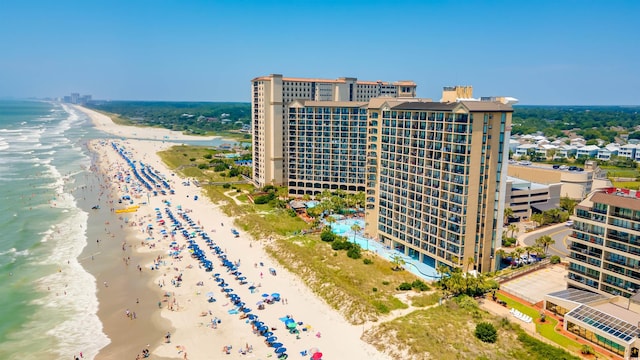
[605, 243]
[436, 179]
[271, 96]
[327, 144]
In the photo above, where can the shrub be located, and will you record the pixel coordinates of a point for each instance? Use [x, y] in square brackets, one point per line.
[385, 282]
[354, 252]
[264, 199]
[220, 167]
[327, 235]
[404, 286]
[367, 261]
[586, 350]
[509, 241]
[291, 212]
[486, 332]
[226, 186]
[207, 156]
[375, 289]
[192, 159]
[419, 285]
[234, 172]
[203, 166]
[555, 259]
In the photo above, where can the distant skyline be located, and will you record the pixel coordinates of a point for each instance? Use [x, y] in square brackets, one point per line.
[541, 52]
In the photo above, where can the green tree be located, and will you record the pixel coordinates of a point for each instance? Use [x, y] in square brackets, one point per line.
[508, 212]
[513, 228]
[355, 228]
[397, 262]
[544, 242]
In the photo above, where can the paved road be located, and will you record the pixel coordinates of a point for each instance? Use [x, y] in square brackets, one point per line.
[557, 232]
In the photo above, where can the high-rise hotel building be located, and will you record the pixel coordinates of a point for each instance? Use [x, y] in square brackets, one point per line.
[436, 179]
[433, 172]
[605, 243]
[270, 100]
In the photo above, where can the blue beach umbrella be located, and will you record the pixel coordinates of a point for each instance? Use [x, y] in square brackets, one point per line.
[276, 345]
[280, 350]
[246, 310]
[272, 339]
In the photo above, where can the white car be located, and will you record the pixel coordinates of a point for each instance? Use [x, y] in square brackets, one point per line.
[569, 223]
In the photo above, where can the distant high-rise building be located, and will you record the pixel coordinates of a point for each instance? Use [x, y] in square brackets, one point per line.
[76, 98]
[605, 243]
[270, 99]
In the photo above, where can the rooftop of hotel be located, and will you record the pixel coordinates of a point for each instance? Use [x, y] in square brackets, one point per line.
[341, 80]
[623, 198]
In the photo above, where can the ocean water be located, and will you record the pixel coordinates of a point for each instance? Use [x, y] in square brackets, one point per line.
[48, 300]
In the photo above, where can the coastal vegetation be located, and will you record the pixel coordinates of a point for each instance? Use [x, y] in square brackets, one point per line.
[395, 305]
[448, 332]
[193, 118]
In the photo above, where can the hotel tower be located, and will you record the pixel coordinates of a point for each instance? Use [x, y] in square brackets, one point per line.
[270, 100]
[433, 172]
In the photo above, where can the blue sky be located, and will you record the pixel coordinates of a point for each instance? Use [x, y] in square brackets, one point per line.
[541, 52]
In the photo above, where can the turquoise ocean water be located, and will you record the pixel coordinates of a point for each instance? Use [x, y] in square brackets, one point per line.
[48, 300]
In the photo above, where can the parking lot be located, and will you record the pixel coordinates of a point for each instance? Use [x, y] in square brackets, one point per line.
[535, 285]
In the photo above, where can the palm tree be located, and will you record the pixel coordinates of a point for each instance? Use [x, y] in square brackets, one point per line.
[500, 254]
[471, 261]
[544, 242]
[508, 212]
[330, 220]
[538, 218]
[513, 228]
[398, 262]
[516, 253]
[355, 228]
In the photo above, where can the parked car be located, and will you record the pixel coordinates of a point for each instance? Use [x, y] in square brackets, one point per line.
[569, 223]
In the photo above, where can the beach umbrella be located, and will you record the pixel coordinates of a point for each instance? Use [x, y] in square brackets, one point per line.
[280, 350]
[268, 334]
[265, 295]
[316, 356]
[263, 328]
[210, 294]
[272, 339]
[242, 278]
[246, 310]
[252, 317]
[228, 290]
[276, 345]
[291, 325]
[260, 302]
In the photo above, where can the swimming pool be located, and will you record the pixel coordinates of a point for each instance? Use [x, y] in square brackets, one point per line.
[421, 269]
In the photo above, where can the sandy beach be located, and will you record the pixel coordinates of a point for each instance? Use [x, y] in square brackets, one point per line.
[168, 289]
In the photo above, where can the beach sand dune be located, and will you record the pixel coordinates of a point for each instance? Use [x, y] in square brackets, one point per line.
[185, 309]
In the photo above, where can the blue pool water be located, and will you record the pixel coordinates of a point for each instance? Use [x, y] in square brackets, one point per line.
[343, 227]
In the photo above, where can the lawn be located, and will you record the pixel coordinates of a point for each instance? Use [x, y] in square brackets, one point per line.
[546, 329]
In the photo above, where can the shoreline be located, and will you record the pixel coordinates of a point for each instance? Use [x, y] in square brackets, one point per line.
[190, 321]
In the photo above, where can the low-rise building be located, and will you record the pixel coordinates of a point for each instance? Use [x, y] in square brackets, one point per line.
[522, 195]
[575, 184]
[609, 322]
[587, 151]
